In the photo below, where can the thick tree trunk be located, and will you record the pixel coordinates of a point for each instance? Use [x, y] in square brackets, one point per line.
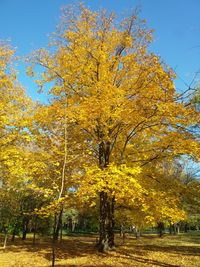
[107, 223]
[106, 206]
[103, 236]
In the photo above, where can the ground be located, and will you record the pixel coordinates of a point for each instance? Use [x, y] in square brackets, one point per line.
[149, 250]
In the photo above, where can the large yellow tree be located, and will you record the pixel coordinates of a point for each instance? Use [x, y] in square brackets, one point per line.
[122, 102]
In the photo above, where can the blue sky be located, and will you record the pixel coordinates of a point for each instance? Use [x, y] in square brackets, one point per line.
[27, 25]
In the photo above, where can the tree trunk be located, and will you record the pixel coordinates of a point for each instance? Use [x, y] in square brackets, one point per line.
[186, 228]
[103, 237]
[175, 229]
[34, 230]
[137, 233]
[58, 224]
[5, 240]
[122, 233]
[5, 237]
[160, 229]
[171, 229]
[56, 230]
[106, 206]
[14, 232]
[178, 228]
[25, 228]
[73, 225]
[53, 248]
[111, 223]
[61, 233]
[107, 223]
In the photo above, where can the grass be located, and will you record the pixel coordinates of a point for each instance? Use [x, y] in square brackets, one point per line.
[170, 251]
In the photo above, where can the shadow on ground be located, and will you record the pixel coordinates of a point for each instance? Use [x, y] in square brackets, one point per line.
[84, 246]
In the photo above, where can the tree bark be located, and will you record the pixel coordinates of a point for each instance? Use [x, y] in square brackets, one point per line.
[106, 206]
[53, 248]
[103, 237]
[56, 230]
[111, 223]
[58, 225]
[107, 222]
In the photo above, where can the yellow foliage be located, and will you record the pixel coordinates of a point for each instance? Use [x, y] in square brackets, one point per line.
[119, 103]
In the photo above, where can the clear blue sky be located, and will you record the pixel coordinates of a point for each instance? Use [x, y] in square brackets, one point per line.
[27, 24]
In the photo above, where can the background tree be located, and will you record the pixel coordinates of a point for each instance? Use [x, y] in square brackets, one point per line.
[15, 120]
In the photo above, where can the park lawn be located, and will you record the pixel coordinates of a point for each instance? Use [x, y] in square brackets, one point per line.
[149, 250]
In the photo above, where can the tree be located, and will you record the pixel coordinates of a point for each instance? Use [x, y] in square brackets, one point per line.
[15, 110]
[122, 102]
